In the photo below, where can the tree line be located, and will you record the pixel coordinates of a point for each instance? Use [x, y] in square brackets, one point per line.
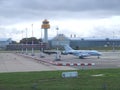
[28, 41]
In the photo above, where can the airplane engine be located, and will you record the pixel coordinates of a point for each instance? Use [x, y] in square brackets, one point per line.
[64, 53]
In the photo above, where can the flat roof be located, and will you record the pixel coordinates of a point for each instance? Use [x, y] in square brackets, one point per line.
[5, 39]
[92, 38]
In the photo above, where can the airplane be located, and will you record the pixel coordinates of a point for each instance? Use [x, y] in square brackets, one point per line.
[80, 53]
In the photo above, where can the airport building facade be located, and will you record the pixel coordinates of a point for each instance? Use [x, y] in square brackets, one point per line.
[88, 43]
[94, 43]
[4, 42]
[59, 40]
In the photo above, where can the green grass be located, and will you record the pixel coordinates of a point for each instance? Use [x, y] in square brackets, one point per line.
[52, 80]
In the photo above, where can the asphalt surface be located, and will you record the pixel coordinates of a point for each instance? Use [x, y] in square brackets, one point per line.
[107, 60]
[11, 62]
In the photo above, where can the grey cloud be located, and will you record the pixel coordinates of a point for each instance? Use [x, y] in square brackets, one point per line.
[72, 5]
[110, 32]
[18, 10]
[62, 5]
[3, 30]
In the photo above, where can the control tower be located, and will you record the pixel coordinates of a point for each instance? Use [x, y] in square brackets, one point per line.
[45, 25]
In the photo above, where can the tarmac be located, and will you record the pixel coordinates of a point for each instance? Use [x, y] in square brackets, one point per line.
[108, 59]
[10, 62]
[17, 62]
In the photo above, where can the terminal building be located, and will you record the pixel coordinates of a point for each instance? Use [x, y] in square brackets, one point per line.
[59, 40]
[89, 43]
[4, 42]
[76, 42]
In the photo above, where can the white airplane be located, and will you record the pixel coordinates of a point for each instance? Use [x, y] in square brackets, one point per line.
[80, 53]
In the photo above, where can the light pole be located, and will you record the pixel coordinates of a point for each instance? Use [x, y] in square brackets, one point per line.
[57, 37]
[113, 42]
[57, 53]
[26, 42]
[32, 43]
[22, 43]
[41, 47]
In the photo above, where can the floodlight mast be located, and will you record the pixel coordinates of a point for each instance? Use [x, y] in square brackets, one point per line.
[22, 43]
[32, 43]
[57, 53]
[26, 42]
[113, 42]
[41, 47]
[57, 38]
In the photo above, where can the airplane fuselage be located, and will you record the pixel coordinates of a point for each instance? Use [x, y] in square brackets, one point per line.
[81, 53]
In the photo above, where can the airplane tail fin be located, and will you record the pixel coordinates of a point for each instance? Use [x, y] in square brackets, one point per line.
[67, 48]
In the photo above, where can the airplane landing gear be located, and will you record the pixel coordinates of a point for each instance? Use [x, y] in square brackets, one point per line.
[98, 57]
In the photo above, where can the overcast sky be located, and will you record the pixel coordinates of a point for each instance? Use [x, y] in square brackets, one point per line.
[85, 18]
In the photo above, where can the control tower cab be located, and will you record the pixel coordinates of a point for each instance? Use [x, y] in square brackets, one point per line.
[45, 25]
